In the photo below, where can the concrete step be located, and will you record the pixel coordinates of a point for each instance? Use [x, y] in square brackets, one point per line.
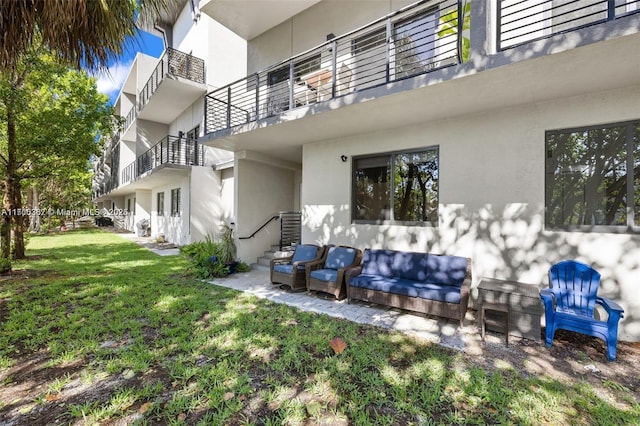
[259, 267]
[264, 261]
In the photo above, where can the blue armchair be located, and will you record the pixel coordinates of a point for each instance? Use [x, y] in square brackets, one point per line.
[569, 304]
[290, 270]
[327, 274]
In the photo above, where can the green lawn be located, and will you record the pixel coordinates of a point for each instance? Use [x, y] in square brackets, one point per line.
[95, 329]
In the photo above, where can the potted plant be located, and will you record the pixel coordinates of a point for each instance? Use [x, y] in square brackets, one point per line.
[228, 249]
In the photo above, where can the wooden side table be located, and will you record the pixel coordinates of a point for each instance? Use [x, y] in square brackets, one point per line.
[525, 307]
[498, 315]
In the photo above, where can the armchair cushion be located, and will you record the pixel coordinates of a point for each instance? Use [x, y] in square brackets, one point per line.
[339, 257]
[330, 275]
[287, 268]
[304, 252]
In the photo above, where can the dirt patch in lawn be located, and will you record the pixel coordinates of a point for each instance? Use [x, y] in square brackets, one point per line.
[573, 357]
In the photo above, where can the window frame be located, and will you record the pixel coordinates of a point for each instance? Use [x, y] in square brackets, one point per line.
[391, 158]
[631, 154]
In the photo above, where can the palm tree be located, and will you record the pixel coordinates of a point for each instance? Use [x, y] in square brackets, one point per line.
[84, 33]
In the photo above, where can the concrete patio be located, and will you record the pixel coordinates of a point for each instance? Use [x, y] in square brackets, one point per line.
[444, 332]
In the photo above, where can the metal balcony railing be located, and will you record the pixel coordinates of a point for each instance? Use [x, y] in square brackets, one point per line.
[128, 174]
[131, 116]
[524, 21]
[176, 64]
[415, 40]
[177, 150]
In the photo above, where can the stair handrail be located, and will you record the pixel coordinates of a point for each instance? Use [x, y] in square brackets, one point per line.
[275, 217]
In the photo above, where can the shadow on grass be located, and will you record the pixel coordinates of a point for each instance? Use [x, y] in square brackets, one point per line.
[117, 332]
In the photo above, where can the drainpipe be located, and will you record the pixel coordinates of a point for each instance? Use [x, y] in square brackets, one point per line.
[167, 33]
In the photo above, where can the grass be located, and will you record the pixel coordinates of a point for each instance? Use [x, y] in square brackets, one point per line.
[104, 331]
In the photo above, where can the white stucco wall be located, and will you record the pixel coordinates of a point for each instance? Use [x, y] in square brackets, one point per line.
[148, 134]
[207, 203]
[266, 190]
[310, 28]
[491, 197]
[143, 205]
[174, 228]
[189, 119]
[127, 155]
[223, 51]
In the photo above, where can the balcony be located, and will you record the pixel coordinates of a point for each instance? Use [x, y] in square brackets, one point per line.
[422, 63]
[170, 154]
[372, 56]
[175, 83]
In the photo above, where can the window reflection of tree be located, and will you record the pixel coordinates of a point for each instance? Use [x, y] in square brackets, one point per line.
[410, 196]
[372, 189]
[415, 197]
[587, 176]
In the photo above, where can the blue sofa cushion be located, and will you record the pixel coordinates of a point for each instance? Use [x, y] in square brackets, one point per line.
[330, 275]
[339, 257]
[378, 262]
[446, 270]
[404, 287]
[410, 266]
[304, 253]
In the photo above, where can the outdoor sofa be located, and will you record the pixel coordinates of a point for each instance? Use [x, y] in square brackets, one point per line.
[428, 283]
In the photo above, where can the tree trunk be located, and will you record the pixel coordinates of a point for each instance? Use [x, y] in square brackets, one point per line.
[34, 221]
[13, 223]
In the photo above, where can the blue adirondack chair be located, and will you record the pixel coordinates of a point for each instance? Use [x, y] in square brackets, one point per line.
[569, 304]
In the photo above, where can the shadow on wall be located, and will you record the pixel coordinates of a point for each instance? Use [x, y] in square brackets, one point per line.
[506, 243]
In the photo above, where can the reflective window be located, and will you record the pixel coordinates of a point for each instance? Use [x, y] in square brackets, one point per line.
[175, 202]
[397, 187]
[588, 183]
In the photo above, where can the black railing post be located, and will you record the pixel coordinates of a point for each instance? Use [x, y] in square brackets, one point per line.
[291, 83]
[334, 67]
[498, 27]
[611, 10]
[206, 113]
[389, 36]
[228, 107]
[459, 32]
[257, 96]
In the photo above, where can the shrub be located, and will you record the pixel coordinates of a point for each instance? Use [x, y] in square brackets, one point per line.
[227, 245]
[205, 259]
[5, 265]
[242, 267]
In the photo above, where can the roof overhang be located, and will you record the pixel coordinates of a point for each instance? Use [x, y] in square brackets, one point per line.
[250, 18]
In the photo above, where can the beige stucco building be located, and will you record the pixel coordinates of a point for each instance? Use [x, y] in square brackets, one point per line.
[511, 136]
